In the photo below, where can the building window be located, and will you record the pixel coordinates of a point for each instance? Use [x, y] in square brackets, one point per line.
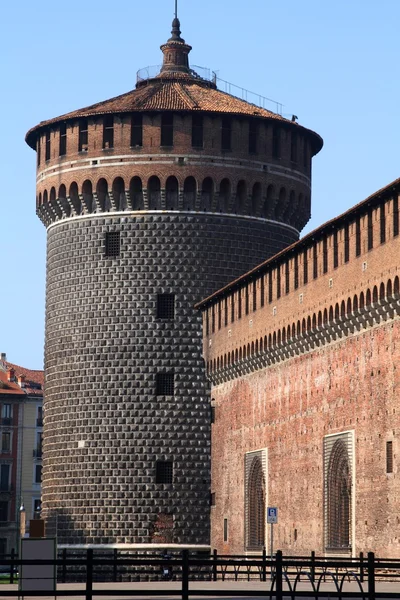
[315, 261]
[164, 471]
[232, 307]
[108, 132]
[338, 492]
[246, 299]
[335, 250]
[226, 134]
[207, 323]
[278, 281]
[39, 418]
[37, 505]
[255, 500]
[305, 267]
[167, 129]
[395, 217]
[287, 276]
[239, 304]
[83, 135]
[47, 145]
[383, 223]
[262, 291]
[253, 136]
[225, 530]
[212, 415]
[276, 143]
[37, 453]
[370, 230]
[270, 291]
[3, 511]
[226, 312]
[38, 474]
[38, 150]
[296, 272]
[254, 295]
[212, 499]
[166, 306]
[213, 318]
[63, 139]
[346, 244]
[293, 147]
[358, 236]
[7, 414]
[219, 309]
[389, 457]
[4, 478]
[197, 131]
[6, 442]
[136, 130]
[113, 243]
[165, 384]
[325, 254]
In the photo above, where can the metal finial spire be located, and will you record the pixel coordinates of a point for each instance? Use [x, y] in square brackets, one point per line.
[176, 9]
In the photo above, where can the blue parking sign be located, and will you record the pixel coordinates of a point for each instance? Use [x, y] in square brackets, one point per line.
[272, 514]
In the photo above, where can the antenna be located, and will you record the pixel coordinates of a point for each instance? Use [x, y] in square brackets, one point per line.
[176, 9]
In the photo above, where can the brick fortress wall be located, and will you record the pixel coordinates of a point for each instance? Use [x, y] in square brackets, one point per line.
[301, 351]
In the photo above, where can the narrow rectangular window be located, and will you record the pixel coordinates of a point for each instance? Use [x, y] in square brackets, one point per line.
[7, 414]
[335, 250]
[383, 223]
[219, 308]
[239, 304]
[370, 230]
[325, 254]
[108, 132]
[226, 312]
[197, 131]
[293, 147]
[225, 530]
[39, 445]
[213, 318]
[164, 471]
[276, 143]
[47, 145]
[39, 418]
[167, 129]
[262, 291]
[305, 267]
[212, 415]
[346, 243]
[226, 134]
[296, 272]
[278, 281]
[165, 384]
[315, 261]
[38, 150]
[389, 457]
[253, 135]
[6, 441]
[4, 478]
[212, 499]
[63, 139]
[38, 473]
[3, 510]
[247, 299]
[137, 130]
[254, 295]
[207, 323]
[358, 236]
[395, 217]
[113, 244]
[287, 275]
[165, 306]
[232, 307]
[83, 135]
[270, 292]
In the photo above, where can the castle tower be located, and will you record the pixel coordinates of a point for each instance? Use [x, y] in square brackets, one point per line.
[152, 200]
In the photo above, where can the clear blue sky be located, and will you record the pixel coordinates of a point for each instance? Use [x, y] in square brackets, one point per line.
[334, 64]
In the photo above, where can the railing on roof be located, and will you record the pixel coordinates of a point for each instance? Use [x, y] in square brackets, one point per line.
[225, 86]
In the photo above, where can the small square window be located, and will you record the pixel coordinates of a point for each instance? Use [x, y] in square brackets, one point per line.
[165, 306]
[165, 384]
[113, 243]
[164, 471]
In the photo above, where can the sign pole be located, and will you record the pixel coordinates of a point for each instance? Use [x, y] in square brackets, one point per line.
[272, 518]
[272, 548]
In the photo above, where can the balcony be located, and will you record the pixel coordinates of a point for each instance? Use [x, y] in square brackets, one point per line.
[6, 421]
[37, 453]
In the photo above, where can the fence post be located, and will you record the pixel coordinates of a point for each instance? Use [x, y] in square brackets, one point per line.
[115, 565]
[278, 574]
[89, 575]
[185, 574]
[371, 576]
[64, 566]
[264, 564]
[12, 565]
[362, 567]
[214, 567]
[312, 568]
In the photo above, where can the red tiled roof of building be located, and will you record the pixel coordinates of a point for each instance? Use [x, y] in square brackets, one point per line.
[180, 92]
[33, 384]
[9, 387]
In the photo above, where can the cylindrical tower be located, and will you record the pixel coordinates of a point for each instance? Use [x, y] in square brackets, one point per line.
[151, 200]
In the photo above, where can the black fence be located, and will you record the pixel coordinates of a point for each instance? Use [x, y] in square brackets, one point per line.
[283, 577]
